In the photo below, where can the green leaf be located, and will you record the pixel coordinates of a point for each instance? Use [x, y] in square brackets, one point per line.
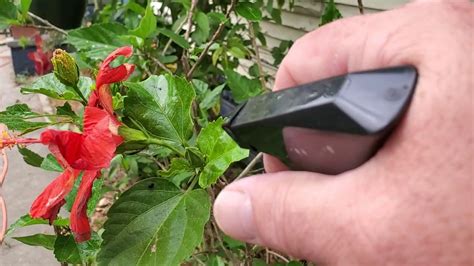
[19, 109]
[258, 262]
[19, 124]
[154, 223]
[66, 109]
[201, 33]
[242, 87]
[162, 106]
[93, 200]
[98, 40]
[220, 151]
[180, 170]
[50, 86]
[147, 24]
[215, 260]
[276, 15]
[31, 157]
[16, 117]
[237, 52]
[233, 243]
[88, 250]
[24, 8]
[178, 39]
[66, 250]
[51, 164]
[39, 240]
[26, 220]
[8, 13]
[211, 97]
[249, 11]
[330, 13]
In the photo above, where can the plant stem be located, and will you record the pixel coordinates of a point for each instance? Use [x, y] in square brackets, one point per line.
[249, 166]
[261, 75]
[189, 21]
[170, 40]
[361, 7]
[49, 24]
[193, 183]
[213, 39]
[78, 91]
[165, 144]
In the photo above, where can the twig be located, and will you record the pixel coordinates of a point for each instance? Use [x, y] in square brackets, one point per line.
[158, 62]
[47, 23]
[170, 40]
[155, 60]
[213, 39]
[249, 166]
[278, 255]
[257, 55]
[361, 7]
[189, 21]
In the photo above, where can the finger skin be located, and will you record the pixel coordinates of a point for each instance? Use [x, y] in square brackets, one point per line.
[411, 204]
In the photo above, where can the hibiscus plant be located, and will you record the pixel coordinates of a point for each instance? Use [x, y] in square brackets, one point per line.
[139, 128]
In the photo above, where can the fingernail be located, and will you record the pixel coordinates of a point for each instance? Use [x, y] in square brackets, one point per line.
[234, 215]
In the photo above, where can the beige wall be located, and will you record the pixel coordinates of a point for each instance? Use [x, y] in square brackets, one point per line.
[304, 17]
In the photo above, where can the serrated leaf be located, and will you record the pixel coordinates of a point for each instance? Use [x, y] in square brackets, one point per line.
[98, 40]
[211, 97]
[51, 164]
[242, 87]
[154, 223]
[31, 157]
[330, 13]
[17, 117]
[66, 109]
[162, 106]
[26, 220]
[220, 151]
[249, 11]
[95, 196]
[38, 240]
[66, 250]
[50, 86]
[88, 250]
[147, 24]
[178, 39]
[19, 109]
[180, 170]
[201, 33]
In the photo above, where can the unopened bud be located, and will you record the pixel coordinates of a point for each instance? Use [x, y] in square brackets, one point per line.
[65, 68]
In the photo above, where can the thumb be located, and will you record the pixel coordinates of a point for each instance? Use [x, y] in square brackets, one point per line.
[302, 214]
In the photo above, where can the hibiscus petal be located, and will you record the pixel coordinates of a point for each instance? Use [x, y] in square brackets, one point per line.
[48, 203]
[64, 145]
[105, 98]
[79, 220]
[108, 75]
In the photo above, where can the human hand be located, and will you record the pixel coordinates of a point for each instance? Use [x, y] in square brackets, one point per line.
[412, 202]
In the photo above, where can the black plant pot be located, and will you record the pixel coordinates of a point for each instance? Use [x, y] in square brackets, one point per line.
[65, 14]
[21, 63]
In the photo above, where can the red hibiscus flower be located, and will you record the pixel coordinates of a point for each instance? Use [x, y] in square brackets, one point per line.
[108, 75]
[40, 58]
[87, 152]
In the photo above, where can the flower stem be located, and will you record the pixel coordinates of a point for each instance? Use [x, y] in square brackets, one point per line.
[78, 91]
